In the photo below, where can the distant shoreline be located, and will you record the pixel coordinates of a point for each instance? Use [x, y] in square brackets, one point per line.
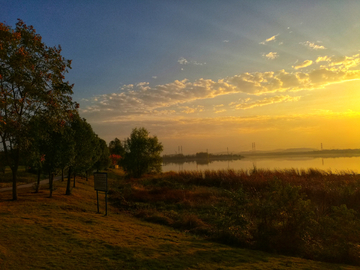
[314, 153]
[289, 153]
[200, 160]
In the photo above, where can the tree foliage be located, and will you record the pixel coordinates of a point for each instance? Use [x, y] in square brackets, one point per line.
[116, 147]
[32, 83]
[86, 146]
[142, 153]
[103, 161]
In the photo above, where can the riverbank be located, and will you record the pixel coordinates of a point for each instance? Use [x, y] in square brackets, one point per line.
[308, 213]
[65, 232]
[205, 158]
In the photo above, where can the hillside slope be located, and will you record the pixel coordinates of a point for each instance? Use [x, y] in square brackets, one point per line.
[65, 232]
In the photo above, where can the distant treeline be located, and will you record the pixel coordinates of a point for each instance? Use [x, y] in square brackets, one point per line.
[201, 157]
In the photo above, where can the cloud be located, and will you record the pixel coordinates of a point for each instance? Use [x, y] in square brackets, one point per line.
[225, 40]
[306, 63]
[271, 55]
[213, 127]
[340, 62]
[188, 110]
[135, 100]
[219, 108]
[246, 104]
[197, 63]
[220, 111]
[273, 38]
[323, 59]
[154, 77]
[141, 99]
[312, 45]
[163, 112]
[345, 62]
[183, 61]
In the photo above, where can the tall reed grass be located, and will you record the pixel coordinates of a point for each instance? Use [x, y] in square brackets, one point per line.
[309, 213]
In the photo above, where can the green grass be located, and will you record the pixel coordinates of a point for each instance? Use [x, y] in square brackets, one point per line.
[65, 232]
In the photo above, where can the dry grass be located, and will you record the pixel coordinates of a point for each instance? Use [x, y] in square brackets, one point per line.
[23, 177]
[310, 213]
[65, 232]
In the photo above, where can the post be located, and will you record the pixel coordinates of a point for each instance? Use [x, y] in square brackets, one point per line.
[97, 199]
[101, 184]
[68, 191]
[106, 199]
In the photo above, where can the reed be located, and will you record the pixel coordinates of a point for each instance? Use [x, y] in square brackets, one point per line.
[309, 213]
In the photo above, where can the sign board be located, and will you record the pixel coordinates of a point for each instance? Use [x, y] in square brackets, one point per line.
[100, 182]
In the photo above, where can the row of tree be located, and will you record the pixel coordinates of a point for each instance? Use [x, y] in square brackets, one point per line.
[73, 146]
[32, 87]
[39, 123]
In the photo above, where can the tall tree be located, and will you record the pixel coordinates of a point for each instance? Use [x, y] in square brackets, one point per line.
[2, 162]
[116, 147]
[104, 160]
[66, 144]
[31, 84]
[86, 146]
[142, 153]
[35, 153]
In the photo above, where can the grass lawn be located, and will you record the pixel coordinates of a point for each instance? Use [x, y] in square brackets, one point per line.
[65, 232]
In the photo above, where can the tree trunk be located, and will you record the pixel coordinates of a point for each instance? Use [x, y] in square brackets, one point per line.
[62, 174]
[68, 191]
[51, 181]
[87, 178]
[74, 179]
[14, 165]
[14, 186]
[38, 181]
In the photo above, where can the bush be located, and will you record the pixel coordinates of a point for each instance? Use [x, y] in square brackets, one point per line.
[281, 218]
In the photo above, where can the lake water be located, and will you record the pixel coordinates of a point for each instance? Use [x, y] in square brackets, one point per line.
[334, 164]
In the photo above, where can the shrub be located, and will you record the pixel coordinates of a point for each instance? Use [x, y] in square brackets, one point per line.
[281, 218]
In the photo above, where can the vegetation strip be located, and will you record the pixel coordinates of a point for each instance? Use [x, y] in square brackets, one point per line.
[66, 233]
[308, 213]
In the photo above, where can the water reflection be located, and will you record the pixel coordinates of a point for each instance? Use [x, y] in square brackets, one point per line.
[334, 164]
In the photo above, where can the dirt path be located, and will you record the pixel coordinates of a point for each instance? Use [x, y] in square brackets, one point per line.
[42, 182]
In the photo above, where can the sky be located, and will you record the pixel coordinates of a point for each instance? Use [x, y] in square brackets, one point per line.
[209, 75]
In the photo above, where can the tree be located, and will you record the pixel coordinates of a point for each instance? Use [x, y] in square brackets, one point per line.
[36, 155]
[116, 148]
[66, 145]
[142, 153]
[31, 84]
[2, 162]
[103, 161]
[86, 146]
[117, 151]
